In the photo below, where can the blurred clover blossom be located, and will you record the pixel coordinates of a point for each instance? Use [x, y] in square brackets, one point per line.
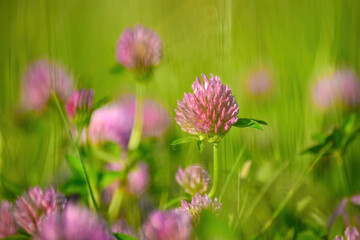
[41, 78]
[139, 49]
[340, 87]
[33, 206]
[165, 225]
[259, 83]
[80, 101]
[135, 181]
[209, 113]
[193, 180]
[7, 220]
[350, 233]
[74, 223]
[198, 204]
[114, 122]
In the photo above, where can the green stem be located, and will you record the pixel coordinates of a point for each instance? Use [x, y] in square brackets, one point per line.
[216, 170]
[75, 145]
[136, 132]
[295, 186]
[343, 173]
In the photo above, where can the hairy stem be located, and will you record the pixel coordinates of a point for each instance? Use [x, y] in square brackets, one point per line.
[76, 146]
[136, 132]
[216, 170]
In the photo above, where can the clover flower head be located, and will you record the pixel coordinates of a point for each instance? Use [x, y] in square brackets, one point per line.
[31, 207]
[164, 225]
[7, 221]
[193, 180]
[74, 223]
[209, 111]
[40, 79]
[198, 204]
[79, 101]
[139, 49]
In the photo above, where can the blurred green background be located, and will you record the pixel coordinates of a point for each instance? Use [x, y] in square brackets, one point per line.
[296, 40]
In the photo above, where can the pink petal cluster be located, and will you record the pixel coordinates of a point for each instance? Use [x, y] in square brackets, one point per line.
[210, 111]
[138, 179]
[136, 183]
[7, 220]
[114, 122]
[74, 223]
[350, 233]
[341, 87]
[199, 203]
[31, 207]
[193, 180]
[80, 100]
[40, 79]
[121, 226]
[139, 49]
[165, 225]
[259, 83]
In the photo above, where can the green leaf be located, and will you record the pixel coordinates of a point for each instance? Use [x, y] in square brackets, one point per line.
[200, 146]
[107, 178]
[349, 123]
[73, 162]
[248, 122]
[319, 137]
[184, 140]
[115, 204]
[121, 236]
[117, 69]
[100, 102]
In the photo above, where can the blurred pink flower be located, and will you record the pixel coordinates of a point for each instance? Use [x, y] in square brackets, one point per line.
[324, 94]
[31, 207]
[7, 221]
[114, 122]
[74, 223]
[40, 79]
[139, 49]
[80, 100]
[138, 179]
[210, 111]
[120, 226]
[193, 180]
[136, 183]
[199, 203]
[348, 84]
[341, 87]
[167, 225]
[259, 83]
